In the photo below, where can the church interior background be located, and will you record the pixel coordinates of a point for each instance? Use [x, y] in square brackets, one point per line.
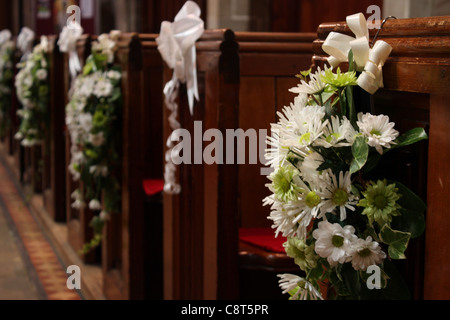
[35, 252]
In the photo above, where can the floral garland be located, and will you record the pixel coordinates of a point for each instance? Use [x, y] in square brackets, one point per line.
[7, 49]
[339, 223]
[33, 91]
[93, 120]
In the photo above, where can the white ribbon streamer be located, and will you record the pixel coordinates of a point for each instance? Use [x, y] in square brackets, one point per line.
[5, 36]
[25, 42]
[68, 43]
[368, 60]
[176, 44]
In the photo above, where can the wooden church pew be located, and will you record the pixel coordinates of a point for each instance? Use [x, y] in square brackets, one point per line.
[132, 239]
[268, 65]
[53, 150]
[128, 255]
[416, 94]
[219, 202]
[201, 223]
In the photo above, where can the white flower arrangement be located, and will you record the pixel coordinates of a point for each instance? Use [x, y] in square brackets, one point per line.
[7, 49]
[33, 92]
[93, 121]
[336, 220]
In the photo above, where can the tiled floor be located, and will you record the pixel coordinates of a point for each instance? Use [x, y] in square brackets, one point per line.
[29, 267]
[17, 279]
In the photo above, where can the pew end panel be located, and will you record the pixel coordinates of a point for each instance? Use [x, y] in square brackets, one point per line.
[132, 240]
[53, 151]
[200, 223]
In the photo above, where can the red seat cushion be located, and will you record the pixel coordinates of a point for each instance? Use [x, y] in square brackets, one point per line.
[263, 238]
[153, 187]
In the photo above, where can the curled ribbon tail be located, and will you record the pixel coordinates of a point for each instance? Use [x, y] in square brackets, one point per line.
[25, 42]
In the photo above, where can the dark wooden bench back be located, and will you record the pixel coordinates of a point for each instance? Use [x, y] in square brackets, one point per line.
[268, 65]
[244, 80]
[131, 249]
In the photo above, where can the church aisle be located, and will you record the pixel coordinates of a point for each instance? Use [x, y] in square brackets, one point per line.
[18, 279]
[29, 267]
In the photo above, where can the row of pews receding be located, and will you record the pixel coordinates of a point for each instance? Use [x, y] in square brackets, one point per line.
[204, 243]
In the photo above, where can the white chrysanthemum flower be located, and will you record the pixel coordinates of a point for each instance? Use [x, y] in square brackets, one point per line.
[334, 242]
[280, 143]
[78, 204]
[41, 74]
[336, 132]
[275, 153]
[76, 195]
[308, 168]
[304, 290]
[95, 205]
[378, 130]
[104, 216]
[85, 122]
[106, 46]
[97, 140]
[18, 136]
[283, 217]
[103, 88]
[292, 218]
[366, 253]
[30, 142]
[314, 86]
[300, 127]
[114, 75]
[87, 85]
[338, 193]
[99, 171]
[308, 203]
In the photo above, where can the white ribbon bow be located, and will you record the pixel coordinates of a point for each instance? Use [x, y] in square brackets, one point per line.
[176, 44]
[25, 42]
[5, 36]
[368, 60]
[68, 43]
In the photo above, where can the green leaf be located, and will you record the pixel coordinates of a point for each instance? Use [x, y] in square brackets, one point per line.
[306, 73]
[351, 105]
[410, 137]
[351, 64]
[317, 272]
[397, 241]
[412, 218]
[97, 224]
[372, 161]
[360, 151]
[87, 68]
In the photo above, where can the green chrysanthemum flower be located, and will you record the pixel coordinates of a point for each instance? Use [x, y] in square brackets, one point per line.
[303, 255]
[283, 185]
[339, 79]
[380, 202]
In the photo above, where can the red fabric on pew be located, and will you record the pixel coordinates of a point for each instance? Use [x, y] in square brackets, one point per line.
[262, 238]
[153, 187]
